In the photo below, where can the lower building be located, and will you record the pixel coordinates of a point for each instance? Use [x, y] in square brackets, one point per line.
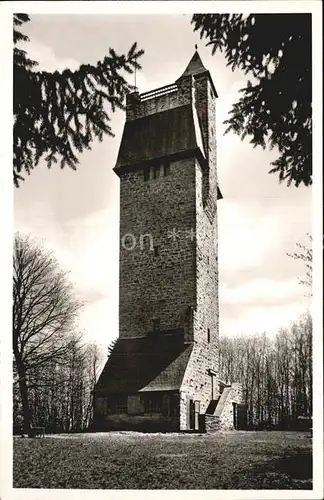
[149, 385]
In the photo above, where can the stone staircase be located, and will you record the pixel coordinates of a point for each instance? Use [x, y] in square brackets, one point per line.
[212, 406]
[219, 414]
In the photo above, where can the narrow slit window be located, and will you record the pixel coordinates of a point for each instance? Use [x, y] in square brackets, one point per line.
[208, 335]
[156, 251]
[156, 325]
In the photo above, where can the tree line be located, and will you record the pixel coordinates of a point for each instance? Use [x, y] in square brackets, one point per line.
[275, 371]
[54, 370]
[60, 392]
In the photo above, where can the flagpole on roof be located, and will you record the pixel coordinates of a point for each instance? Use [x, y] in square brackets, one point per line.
[135, 77]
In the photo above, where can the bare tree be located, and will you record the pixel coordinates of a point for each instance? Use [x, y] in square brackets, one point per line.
[44, 312]
[275, 371]
[95, 360]
[305, 253]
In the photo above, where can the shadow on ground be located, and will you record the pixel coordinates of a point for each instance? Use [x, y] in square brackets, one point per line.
[293, 472]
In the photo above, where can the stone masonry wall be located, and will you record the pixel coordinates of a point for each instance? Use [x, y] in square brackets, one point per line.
[211, 424]
[207, 231]
[159, 213]
[226, 421]
[197, 383]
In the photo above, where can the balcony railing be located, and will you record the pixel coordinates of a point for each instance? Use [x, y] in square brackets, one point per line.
[167, 89]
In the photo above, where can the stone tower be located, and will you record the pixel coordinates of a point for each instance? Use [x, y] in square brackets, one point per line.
[163, 371]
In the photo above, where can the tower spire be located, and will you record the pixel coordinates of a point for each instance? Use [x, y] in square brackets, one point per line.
[195, 65]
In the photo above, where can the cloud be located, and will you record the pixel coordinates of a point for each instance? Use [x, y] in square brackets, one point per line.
[261, 319]
[94, 252]
[99, 321]
[257, 232]
[246, 232]
[46, 57]
[90, 255]
[260, 291]
[82, 247]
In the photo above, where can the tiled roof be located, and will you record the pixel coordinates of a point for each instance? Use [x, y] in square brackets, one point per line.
[153, 363]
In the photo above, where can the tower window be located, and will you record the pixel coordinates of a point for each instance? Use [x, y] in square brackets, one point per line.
[146, 173]
[156, 325]
[166, 168]
[156, 251]
[121, 404]
[156, 171]
[208, 335]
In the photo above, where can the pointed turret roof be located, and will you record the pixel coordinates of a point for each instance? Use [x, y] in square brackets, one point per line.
[196, 67]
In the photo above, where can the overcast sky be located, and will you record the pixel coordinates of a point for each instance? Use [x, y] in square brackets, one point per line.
[76, 214]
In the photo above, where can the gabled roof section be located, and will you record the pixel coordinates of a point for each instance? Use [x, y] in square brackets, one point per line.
[153, 363]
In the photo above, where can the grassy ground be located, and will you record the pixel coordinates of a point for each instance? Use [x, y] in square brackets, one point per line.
[233, 460]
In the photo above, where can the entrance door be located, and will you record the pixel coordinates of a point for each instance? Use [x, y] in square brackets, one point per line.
[240, 416]
[191, 414]
[235, 415]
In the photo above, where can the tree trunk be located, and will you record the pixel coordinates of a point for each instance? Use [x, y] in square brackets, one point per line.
[23, 388]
